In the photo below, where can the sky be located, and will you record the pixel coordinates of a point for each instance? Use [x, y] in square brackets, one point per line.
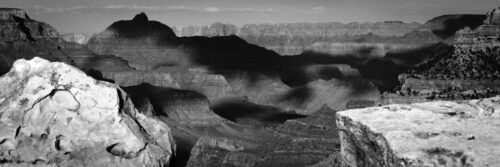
[91, 16]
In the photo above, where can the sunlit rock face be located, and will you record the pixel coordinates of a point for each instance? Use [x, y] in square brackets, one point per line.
[78, 38]
[438, 133]
[54, 114]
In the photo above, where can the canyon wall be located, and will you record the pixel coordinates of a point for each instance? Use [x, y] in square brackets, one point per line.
[469, 70]
[295, 38]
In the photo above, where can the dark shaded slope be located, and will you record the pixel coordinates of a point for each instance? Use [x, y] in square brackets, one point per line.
[240, 111]
[445, 26]
[140, 26]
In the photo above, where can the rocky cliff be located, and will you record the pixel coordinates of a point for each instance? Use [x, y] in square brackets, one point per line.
[424, 134]
[16, 25]
[295, 38]
[227, 67]
[469, 70]
[54, 114]
[214, 86]
[23, 37]
[143, 43]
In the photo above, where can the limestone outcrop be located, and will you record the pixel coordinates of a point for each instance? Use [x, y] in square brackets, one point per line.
[440, 133]
[53, 114]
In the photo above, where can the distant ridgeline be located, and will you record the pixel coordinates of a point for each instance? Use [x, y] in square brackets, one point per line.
[295, 38]
[470, 70]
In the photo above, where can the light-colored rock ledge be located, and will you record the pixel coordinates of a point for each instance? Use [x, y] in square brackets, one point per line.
[423, 134]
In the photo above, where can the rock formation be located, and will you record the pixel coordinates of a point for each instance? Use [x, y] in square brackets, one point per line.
[78, 38]
[332, 37]
[214, 86]
[302, 142]
[143, 43]
[16, 25]
[469, 70]
[424, 134]
[23, 37]
[226, 67]
[295, 38]
[445, 26]
[54, 114]
[188, 108]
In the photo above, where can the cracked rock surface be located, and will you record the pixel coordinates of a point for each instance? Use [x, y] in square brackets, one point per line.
[52, 114]
[423, 134]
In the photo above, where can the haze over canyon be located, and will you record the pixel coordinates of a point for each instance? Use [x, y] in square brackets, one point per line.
[316, 94]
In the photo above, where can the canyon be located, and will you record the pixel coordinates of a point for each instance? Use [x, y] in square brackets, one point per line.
[141, 93]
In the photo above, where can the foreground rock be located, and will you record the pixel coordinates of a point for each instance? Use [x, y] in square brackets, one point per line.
[425, 134]
[53, 114]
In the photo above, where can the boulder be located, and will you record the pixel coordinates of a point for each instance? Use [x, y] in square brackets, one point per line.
[438, 133]
[54, 114]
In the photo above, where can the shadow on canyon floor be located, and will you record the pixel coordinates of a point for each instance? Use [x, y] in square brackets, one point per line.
[236, 110]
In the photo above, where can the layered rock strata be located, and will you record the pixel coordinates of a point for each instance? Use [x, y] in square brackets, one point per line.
[295, 38]
[470, 70]
[438, 133]
[213, 86]
[53, 114]
[23, 37]
[15, 24]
